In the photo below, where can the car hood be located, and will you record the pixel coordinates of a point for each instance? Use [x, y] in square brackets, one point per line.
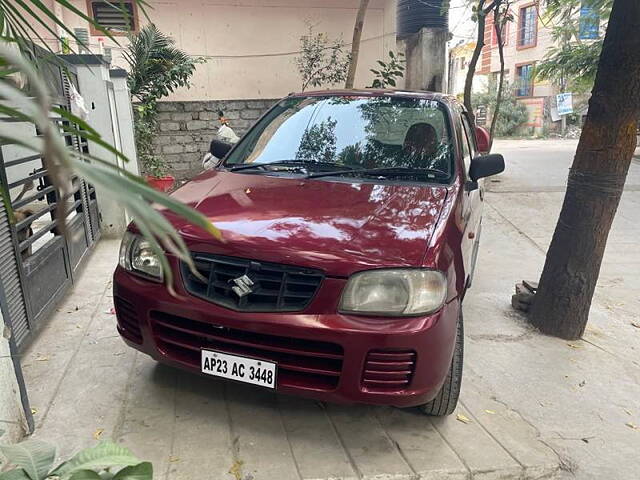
[339, 227]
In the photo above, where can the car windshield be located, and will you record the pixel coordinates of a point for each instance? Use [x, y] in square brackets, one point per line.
[349, 135]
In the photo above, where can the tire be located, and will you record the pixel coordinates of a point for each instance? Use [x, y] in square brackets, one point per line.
[447, 399]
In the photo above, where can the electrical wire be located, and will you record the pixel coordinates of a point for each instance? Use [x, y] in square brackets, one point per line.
[439, 6]
[225, 57]
[463, 18]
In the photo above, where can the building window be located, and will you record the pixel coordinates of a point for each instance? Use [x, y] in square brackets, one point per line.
[528, 26]
[524, 80]
[119, 17]
[589, 22]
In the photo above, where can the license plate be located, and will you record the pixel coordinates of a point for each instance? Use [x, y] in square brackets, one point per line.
[242, 369]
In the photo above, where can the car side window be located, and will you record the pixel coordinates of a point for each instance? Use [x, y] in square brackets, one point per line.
[466, 149]
[470, 135]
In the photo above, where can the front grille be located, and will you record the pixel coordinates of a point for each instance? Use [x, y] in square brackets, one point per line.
[276, 287]
[301, 363]
[388, 370]
[127, 320]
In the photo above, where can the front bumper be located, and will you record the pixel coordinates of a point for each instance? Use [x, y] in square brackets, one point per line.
[320, 354]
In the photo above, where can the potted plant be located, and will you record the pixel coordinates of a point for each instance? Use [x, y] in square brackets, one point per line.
[154, 167]
[156, 69]
[157, 177]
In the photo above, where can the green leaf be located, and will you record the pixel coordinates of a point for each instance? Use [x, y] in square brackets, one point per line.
[105, 454]
[392, 82]
[17, 474]
[382, 64]
[85, 475]
[35, 457]
[142, 471]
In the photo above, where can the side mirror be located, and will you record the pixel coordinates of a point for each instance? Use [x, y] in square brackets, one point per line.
[483, 140]
[214, 157]
[219, 148]
[485, 166]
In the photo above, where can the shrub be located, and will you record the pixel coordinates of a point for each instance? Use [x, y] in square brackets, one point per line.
[390, 71]
[322, 61]
[512, 112]
[33, 460]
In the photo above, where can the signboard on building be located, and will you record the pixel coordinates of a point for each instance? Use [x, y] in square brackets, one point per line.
[535, 108]
[565, 103]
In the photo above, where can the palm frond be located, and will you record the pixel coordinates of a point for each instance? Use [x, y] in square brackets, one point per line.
[152, 56]
[60, 162]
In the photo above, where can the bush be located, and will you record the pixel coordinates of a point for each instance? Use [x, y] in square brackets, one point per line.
[34, 460]
[391, 70]
[512, 113]
[322, 61]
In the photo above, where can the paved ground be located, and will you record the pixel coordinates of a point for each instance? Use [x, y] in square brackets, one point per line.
[538, 407]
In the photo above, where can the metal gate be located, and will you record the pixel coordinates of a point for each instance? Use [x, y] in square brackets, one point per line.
[38, 263]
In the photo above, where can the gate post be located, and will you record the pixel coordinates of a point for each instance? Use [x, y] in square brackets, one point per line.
[125, 118]
[15, 414]
[100, 99]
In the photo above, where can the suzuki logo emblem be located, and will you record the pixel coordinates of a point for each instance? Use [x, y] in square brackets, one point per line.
[243, 286]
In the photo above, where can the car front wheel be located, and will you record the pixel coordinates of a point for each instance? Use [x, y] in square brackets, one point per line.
[447, 399]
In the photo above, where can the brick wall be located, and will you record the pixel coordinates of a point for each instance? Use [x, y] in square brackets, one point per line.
[186, 129]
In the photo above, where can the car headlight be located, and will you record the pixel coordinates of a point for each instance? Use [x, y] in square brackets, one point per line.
[394, 292]
[137, 256]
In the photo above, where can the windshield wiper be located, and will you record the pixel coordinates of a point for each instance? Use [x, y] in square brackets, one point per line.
[384, 172]
[300, 164]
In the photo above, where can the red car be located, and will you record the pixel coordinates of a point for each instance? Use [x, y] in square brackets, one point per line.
[351, 222]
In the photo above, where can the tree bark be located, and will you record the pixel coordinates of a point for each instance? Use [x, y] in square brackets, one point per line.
[473, 63]
[596, 181]
[355, 44]
[500, 20]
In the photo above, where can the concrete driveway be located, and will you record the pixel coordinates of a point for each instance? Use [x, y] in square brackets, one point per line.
[533, 406]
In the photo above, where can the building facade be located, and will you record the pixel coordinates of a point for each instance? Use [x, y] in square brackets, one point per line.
[459, 57]
[527, 40]
[249, 45]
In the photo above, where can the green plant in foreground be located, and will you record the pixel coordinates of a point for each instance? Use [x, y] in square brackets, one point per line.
[34, 460]
[62, 163]
[391, 70]
[133, 193]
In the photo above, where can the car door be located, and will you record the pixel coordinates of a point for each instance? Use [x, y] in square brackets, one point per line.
[473, 199]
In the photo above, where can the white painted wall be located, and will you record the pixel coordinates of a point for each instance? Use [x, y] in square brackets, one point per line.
[252, 44]
[101, 100]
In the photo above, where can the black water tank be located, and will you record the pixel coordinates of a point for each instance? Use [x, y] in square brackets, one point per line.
[412, 15]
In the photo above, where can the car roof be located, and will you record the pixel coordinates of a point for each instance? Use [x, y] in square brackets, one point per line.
[381, 92]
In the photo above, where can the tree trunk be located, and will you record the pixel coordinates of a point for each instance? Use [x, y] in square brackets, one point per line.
[596, 180]
[355, 44]
[499, 24]
[473, 63]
